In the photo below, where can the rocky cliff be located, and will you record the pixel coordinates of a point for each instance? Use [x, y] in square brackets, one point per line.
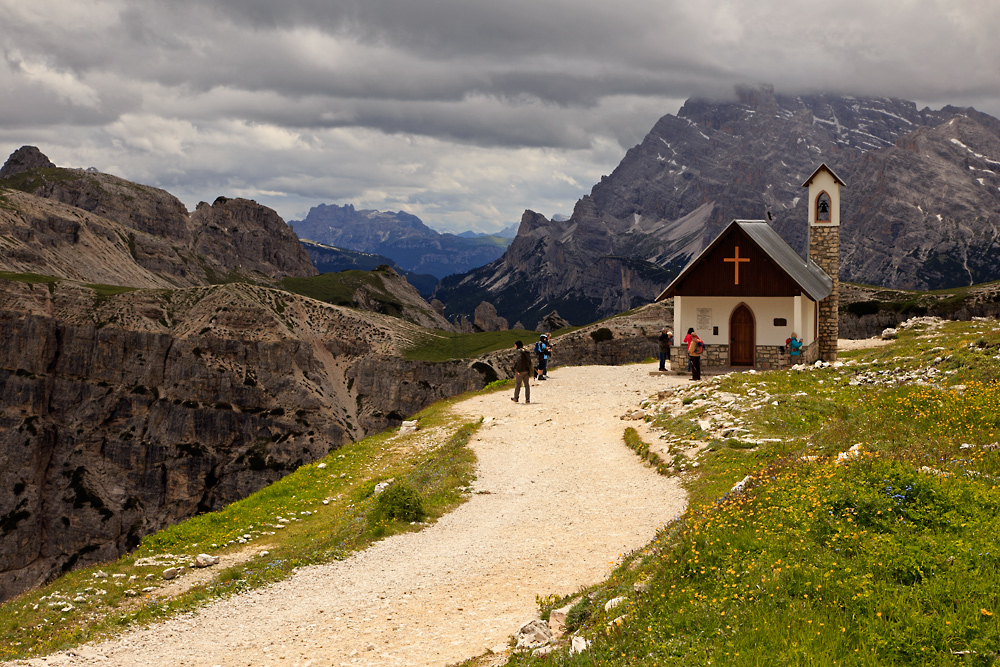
[400, 236]
[94, 227]
[122, 414]
[921, 210]
[152, 369]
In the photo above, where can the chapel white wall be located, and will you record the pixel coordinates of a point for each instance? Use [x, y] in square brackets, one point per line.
[799, 314]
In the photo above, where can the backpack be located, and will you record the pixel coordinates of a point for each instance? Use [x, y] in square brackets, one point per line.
[695, 347]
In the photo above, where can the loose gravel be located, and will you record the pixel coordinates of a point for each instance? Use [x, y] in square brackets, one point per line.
[558, 500]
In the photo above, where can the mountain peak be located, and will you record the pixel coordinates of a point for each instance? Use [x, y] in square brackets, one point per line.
[24, 159]
[920, 213]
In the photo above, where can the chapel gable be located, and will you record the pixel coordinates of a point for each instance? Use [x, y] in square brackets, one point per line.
[735, 265]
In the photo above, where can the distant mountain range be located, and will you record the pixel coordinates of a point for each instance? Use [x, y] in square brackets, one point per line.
[402, 237]
[921, 209]
[330, 259]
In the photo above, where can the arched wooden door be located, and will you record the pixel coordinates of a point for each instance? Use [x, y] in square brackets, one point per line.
[742, 337]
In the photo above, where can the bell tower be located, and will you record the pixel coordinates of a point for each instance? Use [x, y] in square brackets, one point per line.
[824, 249]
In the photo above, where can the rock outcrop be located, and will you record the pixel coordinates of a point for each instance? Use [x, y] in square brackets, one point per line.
[24, 159]
[551, 322]
[125, 409]
[921, 209]
[486, 319]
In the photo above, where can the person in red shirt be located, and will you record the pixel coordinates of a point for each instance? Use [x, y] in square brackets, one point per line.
[695, 346]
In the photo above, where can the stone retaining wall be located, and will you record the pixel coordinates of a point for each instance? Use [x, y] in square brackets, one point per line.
[768, 357]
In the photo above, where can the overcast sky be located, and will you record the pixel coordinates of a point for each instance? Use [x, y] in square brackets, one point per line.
[462, 112]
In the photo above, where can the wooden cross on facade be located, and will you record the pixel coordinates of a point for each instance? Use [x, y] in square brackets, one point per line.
[736, 260]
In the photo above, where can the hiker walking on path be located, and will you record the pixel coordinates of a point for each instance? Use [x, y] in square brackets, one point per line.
[666, 341]
[695, 347]
[522, 372]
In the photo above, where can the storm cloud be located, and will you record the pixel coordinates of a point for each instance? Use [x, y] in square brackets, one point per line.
[463, 113]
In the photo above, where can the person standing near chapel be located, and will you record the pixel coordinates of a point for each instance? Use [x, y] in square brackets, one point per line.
[666, 341]
[695, 346]
[687, 342]
[522, 372]
[794, 348]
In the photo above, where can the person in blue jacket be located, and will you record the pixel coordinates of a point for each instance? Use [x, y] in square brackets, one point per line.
[542, 356]
[794, 348]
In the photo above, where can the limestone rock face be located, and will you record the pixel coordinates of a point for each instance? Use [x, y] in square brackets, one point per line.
[921, 209]
[551, 322]
[121, 415]
[486, 319]
[124, 410]
[241, 235]
[24, 159]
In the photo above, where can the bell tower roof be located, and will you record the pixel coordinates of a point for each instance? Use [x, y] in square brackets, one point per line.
[825, 168]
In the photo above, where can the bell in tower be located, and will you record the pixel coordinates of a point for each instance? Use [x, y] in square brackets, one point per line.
[823, 208]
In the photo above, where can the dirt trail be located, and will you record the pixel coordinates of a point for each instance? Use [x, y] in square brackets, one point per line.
[558, 498]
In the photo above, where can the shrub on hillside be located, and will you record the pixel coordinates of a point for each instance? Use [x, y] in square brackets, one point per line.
[399, 502]
[602, 335]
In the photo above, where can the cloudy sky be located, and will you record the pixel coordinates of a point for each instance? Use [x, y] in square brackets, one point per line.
[463, 112]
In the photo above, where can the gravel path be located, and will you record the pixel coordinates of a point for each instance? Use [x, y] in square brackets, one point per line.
[558, 499]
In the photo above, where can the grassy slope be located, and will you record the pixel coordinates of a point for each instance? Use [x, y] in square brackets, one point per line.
[81, 606]
[942, 302]
[337, 288]
[38, 278]
[889, 558]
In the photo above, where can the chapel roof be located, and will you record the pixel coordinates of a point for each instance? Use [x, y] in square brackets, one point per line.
[808, 275]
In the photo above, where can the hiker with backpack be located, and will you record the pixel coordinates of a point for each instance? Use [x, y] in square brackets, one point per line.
[542, 355]
[522, 372]
[794, 348]
[695, 347]
[665, 342]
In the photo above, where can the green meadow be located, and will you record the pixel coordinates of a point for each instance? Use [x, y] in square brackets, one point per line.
[865, 532]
